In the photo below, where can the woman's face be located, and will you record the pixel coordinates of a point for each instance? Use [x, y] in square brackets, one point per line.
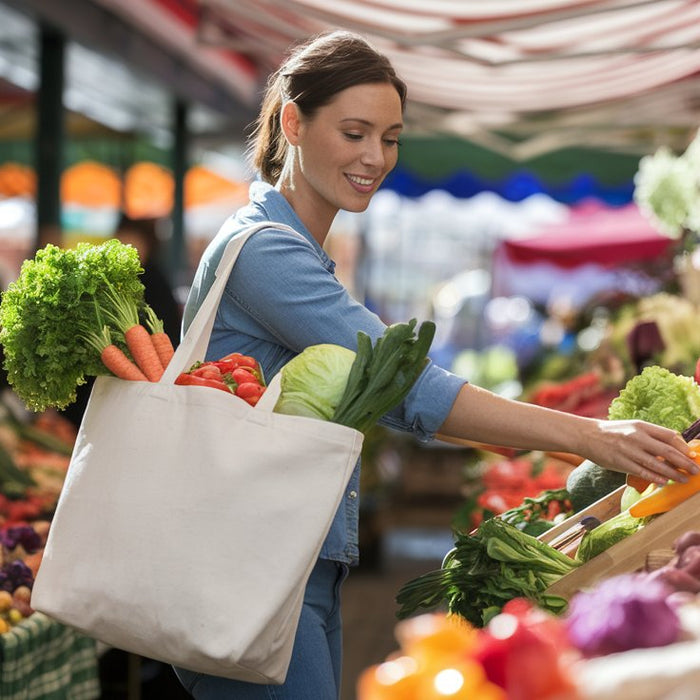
[346, 150]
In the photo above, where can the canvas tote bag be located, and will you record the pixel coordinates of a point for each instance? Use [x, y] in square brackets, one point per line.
[189, 521]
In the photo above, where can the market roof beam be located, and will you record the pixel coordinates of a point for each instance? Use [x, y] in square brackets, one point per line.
[92, 25]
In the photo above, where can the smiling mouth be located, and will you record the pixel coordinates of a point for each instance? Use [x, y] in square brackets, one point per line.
[361, 181]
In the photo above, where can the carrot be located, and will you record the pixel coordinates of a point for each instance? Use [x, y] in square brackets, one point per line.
[114, 358]
[125, 317]
[160, 339]
[120, 365]
[138, 340]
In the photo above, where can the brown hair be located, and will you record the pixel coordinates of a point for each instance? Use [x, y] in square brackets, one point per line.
[313, 73]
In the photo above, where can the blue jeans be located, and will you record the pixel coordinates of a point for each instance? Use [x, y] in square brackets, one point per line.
[315, 669]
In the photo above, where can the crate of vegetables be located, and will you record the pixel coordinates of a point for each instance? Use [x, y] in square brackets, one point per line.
[620, 542]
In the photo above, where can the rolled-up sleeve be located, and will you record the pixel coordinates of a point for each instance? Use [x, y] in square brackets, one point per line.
[288, 288]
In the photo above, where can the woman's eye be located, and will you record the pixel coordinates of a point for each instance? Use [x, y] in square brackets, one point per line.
[392, 142]
[352, 137]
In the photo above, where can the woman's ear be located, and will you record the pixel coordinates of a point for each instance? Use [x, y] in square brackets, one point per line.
[290, 122]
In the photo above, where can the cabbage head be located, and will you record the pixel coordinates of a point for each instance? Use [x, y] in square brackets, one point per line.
[313, 382]
[658, 396]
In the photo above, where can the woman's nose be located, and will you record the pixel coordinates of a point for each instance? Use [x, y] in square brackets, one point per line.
[373, 154]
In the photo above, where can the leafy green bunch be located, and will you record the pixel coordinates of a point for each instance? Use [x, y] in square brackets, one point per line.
[61, 297]
[658, 396]
[485, 570]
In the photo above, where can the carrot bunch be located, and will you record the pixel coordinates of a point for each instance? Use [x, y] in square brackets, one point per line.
[148, 350]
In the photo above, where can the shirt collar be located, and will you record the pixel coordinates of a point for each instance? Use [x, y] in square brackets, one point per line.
[277, 208]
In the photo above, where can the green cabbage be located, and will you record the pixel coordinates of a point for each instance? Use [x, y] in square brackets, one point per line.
[658, 396]
[313, 382]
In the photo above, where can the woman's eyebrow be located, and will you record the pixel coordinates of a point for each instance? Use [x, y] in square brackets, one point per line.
[398, 125]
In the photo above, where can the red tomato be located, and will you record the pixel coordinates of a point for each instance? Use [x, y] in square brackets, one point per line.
[207, 371]
[249, 390]
[240, 360]
[244, 375]
[188, 379]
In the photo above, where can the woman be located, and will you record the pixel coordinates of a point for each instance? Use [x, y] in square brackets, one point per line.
[326, 137]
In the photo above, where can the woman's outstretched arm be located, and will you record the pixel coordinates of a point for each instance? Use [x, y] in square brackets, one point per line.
[635, 447]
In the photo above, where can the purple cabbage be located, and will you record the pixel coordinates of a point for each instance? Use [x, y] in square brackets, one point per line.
[629, 611]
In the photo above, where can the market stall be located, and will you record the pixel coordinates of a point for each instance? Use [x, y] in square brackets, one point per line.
[596, 248]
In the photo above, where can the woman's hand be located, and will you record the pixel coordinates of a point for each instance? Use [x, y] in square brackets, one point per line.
[644, 449]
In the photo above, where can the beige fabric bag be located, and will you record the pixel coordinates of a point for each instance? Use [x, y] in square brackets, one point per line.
[189, 521]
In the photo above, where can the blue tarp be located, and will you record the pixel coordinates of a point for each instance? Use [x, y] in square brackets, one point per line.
[515, 187]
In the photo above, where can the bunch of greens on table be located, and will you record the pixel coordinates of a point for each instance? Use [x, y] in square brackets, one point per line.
[356, 389]
[486, 569]
[532, 516]
[62, 298]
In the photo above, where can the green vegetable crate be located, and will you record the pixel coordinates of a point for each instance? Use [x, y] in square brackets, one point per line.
[625, 556]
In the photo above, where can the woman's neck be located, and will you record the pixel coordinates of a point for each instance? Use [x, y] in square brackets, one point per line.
[317, 218]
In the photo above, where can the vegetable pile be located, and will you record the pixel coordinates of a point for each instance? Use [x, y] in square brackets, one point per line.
[356, 389]
[74, 313]
[527, 491]
[522, 654]
[235, 373]
[486, 569]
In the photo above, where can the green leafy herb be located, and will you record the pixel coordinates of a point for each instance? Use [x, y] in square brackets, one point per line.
[61, 296]
[485, 570]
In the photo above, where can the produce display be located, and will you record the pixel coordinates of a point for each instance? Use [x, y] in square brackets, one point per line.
[525, 652]
[34, 458]
[511, 567]
[527, 490]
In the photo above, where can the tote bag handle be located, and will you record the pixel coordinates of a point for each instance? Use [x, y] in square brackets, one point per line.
[194, 344]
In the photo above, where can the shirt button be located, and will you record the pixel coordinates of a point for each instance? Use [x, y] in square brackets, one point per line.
[353, 494]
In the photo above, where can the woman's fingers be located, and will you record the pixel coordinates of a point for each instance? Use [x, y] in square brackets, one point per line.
[649, 451]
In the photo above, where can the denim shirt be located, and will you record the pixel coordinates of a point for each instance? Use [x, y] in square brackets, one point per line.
[281, 297]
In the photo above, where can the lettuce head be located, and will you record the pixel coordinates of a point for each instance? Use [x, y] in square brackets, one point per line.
[313, 382]
[658, 396]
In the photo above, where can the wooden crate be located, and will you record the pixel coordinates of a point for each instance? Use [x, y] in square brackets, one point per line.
[628, 555]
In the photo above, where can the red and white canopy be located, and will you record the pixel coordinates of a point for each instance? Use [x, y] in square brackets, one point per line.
[520, 76]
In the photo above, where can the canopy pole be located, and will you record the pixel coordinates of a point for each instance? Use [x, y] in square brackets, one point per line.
[49, 137]
[177, 247]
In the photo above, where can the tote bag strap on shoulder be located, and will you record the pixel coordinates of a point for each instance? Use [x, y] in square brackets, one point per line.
[194, 344]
